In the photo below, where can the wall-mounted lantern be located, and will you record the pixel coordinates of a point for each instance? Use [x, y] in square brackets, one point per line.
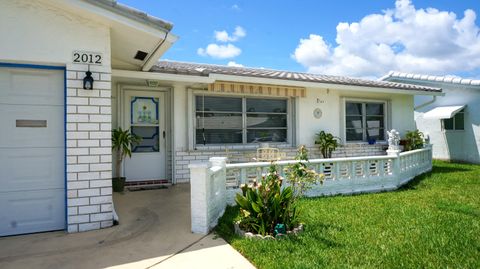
[88, 81]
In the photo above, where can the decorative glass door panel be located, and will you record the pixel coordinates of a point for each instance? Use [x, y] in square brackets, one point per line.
[144, 123]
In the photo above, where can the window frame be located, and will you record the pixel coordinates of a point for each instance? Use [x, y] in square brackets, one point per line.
[454, 124]
[386, 119]
[244, 113]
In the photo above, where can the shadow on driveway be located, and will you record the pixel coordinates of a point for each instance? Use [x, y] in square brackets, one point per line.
[154, 228]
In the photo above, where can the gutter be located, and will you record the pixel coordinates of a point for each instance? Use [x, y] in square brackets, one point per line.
[426, 103]
[157, 52]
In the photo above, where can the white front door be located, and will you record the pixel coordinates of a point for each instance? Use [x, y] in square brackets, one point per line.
[145, 116]
[32, 174]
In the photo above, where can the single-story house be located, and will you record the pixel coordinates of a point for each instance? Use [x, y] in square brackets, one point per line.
[452, 121]
[55, 143]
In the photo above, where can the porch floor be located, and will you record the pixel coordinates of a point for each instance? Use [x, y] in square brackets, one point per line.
[154, 232]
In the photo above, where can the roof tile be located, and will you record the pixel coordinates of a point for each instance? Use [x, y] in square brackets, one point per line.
[184, 68]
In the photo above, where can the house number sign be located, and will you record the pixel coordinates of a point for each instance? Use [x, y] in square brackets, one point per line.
[86, 57]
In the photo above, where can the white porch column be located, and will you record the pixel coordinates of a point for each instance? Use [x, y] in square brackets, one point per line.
[199, 175]
[396, 169]
[207, 193]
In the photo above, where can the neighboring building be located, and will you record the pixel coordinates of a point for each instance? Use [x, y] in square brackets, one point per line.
[55, 147]
[451, 121]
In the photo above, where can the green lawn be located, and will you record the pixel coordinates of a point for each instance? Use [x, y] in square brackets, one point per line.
[433, 222]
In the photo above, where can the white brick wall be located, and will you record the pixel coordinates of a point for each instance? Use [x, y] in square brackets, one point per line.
[238, 155]
[89, 160]
[208, 195]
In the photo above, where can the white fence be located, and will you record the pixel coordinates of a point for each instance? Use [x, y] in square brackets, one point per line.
[215, 184]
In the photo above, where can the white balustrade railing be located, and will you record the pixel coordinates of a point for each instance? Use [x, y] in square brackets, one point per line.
[215, 184]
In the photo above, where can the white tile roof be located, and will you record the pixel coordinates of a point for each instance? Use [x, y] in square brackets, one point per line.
[196, 69]
[444, 79]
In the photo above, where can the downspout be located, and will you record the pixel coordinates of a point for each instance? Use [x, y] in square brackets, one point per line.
[426, 103]
[155, 50]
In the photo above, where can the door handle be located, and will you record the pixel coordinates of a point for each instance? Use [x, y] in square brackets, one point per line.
[164, 134]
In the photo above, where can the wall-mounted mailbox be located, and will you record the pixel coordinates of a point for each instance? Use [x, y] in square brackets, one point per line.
[32, 123]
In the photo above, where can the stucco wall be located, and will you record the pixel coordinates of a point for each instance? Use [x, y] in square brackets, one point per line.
[454, 145]
[450, 145]
[400, 112]
[36, 33]
[305, 126]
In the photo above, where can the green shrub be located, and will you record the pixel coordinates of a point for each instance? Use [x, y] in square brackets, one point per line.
[300, 177]
[414, 140]
[327, 143]
[264, 205]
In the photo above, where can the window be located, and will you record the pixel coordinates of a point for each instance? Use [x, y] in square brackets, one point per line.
[237, 120]
[364, 121]
[456, 123]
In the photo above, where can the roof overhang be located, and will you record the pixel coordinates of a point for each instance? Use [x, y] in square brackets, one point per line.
[212, 78]
[130, 31]
[443, 112]
[322, 85]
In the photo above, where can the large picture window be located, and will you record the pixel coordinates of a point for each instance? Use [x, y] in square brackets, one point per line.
[237, 120]
[457, 123]
[364, 121]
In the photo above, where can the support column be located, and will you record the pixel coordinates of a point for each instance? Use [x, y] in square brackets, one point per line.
[396, 169]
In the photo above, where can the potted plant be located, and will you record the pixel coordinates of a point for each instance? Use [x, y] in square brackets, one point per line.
[414, 140]
[122, 141]
[327, 143]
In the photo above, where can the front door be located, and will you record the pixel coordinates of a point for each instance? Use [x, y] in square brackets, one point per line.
[145, 117]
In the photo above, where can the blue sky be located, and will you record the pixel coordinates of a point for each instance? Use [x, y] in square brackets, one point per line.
[272, 34]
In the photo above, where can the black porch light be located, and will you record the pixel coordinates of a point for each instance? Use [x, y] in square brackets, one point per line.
[88, 81]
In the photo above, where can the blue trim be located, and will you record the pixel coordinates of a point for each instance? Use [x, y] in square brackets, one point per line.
[65, 143]
[49, 67]
[155, 135]
[34, 66]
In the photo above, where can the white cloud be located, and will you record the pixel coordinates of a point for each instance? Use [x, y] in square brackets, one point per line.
[220, 51]
[224, 36]
[234, 64]
[236, 7]
[404, 38]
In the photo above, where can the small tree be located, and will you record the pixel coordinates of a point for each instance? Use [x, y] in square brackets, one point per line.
[122, 141]
[300, 177]
[327, 143]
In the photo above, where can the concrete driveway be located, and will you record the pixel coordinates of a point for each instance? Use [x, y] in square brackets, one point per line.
[154, 232]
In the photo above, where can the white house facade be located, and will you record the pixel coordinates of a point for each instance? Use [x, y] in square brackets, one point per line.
[451, 121]
[55, 143]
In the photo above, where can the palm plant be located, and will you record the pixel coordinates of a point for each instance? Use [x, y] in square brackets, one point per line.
[122, 142]
[414, 140]
[327, 143]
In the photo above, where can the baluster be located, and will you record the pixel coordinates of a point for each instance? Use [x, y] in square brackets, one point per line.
[353, 173]
[366, 165]
[381, 168]
[259, 174]
[243, 175]
[336, 171]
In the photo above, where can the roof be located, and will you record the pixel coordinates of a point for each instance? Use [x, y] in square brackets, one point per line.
[132, 13]
[430, 78]
[197, 69]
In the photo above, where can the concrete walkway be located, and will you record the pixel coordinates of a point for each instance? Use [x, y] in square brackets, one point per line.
[154, 232]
